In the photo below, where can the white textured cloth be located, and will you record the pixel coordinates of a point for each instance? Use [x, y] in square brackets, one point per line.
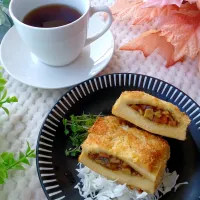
[27, 115]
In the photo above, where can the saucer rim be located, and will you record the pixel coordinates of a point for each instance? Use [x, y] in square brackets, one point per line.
[56, 87]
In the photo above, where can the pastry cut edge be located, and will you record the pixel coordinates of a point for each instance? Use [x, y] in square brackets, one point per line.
[124, 108]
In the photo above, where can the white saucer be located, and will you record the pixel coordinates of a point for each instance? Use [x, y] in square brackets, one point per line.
[20, 63]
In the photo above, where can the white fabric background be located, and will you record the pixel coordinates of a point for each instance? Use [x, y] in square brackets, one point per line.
[27, 115]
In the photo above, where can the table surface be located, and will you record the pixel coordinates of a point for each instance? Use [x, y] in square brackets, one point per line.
[27, 115]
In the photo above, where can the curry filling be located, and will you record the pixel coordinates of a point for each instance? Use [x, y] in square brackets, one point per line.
[112, 163]
[155, 114]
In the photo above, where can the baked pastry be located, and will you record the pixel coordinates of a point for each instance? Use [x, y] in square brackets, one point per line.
[152, 114]
[126, 154]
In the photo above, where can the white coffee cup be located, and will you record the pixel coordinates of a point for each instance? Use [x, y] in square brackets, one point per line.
[60, 45]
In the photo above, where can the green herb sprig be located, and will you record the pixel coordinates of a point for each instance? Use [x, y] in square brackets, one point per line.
[3, 94]
[8, 162]
[77, 129]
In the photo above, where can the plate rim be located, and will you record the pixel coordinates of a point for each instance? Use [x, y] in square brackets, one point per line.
[58, 87]
[88, 80]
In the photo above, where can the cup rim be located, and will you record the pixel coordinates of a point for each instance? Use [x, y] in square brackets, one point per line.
[51, 28]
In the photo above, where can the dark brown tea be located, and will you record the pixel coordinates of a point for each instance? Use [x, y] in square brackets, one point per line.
[52, 15]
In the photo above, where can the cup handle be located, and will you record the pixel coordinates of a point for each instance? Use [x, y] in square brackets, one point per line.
[94, 10]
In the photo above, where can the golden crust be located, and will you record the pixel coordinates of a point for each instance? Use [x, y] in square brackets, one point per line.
[121, 109]
[144, 152]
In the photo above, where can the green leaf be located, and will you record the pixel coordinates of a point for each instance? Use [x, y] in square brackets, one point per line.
[21, 155]
[7, 162]
[7, 156]
[74, 128]
[28, 148]
[2, 81]
[25, 161]
[4, 155]
[6, 174]
[67, 153]
[13, 99]
[78, 127]
[64, 122]
[6, 110]
[3, 174]
[11, 162]
[2, 181]
[18, 167]
[66, 132]
[2, 166]
[73, 154]
[8, 100]
[4, 95]
[31, 151]
[1, 88]
[32, 156]
[1, 160]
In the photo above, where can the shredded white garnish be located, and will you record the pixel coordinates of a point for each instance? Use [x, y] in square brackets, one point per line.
[125, 127]
[178, 185]
[93, 186]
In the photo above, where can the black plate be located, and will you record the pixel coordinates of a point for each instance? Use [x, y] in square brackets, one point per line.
[57, 172]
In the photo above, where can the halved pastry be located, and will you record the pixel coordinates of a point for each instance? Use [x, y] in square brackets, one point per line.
[126, 154]
[152, 114]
